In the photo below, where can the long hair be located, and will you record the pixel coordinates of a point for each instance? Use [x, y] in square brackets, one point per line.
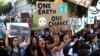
[76, 46]
[11, 42]
[39, 52]
[92, 36]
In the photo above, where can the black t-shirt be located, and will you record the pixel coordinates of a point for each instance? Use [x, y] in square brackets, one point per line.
[96, 53]
[30, 50]
[3, 52]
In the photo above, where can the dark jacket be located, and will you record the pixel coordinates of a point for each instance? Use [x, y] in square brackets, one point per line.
[96, 53]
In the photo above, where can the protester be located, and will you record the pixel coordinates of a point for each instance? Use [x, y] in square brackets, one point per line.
[96, 53]
[93, 42]
[31, 49]
[52, 41]
[42, 48]
[84, 50]
[14, 47]
[3, 50]
[64, 40]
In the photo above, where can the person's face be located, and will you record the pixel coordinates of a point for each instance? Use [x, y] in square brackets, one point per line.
[33, 41]
[15, 42]
[66, 38]
[42, 43]
[95, 39]
[47, 32]
[20, 39]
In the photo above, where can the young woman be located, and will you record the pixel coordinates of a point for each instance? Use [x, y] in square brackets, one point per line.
[64, 40]
[93, 42]
[3, 50]
[31, 49]
[42, 48]
[23, 44]
[14, 47]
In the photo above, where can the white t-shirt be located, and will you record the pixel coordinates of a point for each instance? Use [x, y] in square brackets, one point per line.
[59, 53]
[71, 52]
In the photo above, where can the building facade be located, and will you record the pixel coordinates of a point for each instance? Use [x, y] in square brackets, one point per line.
[21, 6]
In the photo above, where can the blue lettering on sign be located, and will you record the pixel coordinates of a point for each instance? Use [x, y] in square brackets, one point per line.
[63, 8]
[19, 30]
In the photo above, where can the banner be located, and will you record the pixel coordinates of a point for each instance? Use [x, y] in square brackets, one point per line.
[50, 13]
[18, 29]
[85, 3]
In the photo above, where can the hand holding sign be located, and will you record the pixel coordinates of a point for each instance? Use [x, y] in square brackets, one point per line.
[55, 29]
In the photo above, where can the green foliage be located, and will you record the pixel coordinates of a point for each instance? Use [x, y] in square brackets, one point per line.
[5, 8]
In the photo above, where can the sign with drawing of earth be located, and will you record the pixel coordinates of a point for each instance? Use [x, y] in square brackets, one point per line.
[50, 13]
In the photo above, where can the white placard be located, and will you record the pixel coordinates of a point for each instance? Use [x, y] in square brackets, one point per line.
[16, 24]
[91, 16]
[98, 16]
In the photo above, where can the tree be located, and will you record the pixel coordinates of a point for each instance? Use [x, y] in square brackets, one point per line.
[5, 8]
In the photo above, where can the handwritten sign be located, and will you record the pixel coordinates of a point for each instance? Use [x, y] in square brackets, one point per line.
[50, 13]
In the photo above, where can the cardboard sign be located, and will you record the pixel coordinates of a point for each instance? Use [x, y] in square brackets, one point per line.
[50, 13]
[18, 29]
[85, 3]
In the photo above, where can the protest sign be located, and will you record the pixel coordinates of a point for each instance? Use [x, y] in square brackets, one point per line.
[98, 16]
[94, 12]
[85, 3]
[78, 24]
[50, 13]
[91, 15]
[24, 16]
[75, 23]
[18, 29]
[2, 26]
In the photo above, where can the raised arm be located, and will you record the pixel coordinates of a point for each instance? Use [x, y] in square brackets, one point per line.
[56, 42]
[25, 44]
[63, 44]
[6, 39]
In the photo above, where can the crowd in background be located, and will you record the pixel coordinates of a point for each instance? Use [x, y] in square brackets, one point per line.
[52, 41]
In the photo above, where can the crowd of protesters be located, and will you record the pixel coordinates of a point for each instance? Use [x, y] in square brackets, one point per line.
[52, 41]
